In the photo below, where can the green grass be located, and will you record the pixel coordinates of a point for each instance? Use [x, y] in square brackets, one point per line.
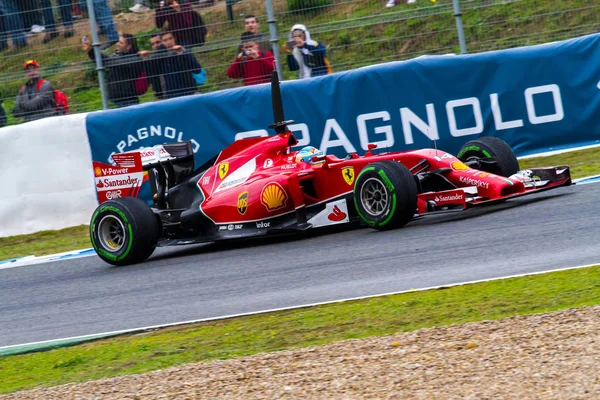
[583, 163]
[364, 33]
[45, 242]
[302, 327]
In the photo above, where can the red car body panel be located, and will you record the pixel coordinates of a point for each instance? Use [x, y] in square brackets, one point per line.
[259, 179]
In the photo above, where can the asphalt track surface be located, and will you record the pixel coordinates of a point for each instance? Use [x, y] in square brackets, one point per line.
[551, 230]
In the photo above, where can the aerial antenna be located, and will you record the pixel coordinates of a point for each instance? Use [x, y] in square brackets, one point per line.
[434, 140]
[280, 124]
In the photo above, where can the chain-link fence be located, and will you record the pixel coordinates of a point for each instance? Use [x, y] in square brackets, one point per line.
[147, 50]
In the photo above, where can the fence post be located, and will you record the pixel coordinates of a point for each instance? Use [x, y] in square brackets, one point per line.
[273, 37]
[459, 27]
[97, 55]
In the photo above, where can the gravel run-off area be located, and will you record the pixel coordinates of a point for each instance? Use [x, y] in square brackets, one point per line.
[543, 356]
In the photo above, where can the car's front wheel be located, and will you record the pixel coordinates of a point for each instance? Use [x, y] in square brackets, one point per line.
[124, 231]
[489, 148]
[385, 195]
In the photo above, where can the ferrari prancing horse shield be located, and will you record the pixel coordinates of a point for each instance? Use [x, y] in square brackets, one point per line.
[223, 169]
[242, 205]
[348, 174]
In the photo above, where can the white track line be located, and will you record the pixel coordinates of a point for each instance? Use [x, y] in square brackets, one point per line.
[155, 327]
[32, 260]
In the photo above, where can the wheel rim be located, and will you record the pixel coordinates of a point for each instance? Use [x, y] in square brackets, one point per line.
[111, 233]
[374, 197]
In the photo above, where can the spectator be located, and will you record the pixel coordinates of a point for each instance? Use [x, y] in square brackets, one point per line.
[157, 81]
[64, 7]
[140, 6]
[2, 114]
[252, 64]
[105, 22]
[177, 66]
[36, 99]
[31, 16]
[251, 25]
[125, 68]
[12, 24]
[307, 56]
[185, 23]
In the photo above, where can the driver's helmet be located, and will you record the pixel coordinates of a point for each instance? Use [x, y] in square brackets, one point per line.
[307, 153]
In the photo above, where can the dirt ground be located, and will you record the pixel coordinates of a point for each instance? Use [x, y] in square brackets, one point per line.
[544, 356]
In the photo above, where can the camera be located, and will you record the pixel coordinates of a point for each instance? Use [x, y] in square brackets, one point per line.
[246, 53]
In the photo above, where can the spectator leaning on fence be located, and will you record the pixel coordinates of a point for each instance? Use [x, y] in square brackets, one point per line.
[36, 99]
[11, 24]
[157, 80]
[253, 65]
[124, 69]
[308, 56]
[251, 25]
[181, 71]
[185, 23]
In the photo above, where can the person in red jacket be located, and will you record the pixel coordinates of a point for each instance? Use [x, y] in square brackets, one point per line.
[252, 65]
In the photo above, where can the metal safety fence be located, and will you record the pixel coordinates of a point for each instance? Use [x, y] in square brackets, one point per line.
[59, 56]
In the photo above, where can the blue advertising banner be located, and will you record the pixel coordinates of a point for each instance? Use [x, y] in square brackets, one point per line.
[537, 98]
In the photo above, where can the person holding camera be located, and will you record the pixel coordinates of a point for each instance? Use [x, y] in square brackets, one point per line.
[253, 65]
[305, 55]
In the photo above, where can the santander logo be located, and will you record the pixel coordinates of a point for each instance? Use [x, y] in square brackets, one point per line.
[336, 215]
[455, 197]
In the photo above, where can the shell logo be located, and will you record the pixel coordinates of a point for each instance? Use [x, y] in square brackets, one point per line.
[458, 166]
[273, 197]
[97, 171]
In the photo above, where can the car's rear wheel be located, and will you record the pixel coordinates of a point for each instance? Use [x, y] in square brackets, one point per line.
[490, 148]
[385, 195]
[124, 231]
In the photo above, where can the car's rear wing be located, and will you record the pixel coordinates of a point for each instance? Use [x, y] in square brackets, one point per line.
[167, 164]
[122, 180]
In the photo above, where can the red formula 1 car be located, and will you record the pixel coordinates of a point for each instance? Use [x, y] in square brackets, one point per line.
[259, 186]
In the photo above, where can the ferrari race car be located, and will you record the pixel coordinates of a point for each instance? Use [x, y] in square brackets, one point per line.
[261, 186]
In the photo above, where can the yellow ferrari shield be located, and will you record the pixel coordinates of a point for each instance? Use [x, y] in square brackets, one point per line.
[223, 170]
[348, 174]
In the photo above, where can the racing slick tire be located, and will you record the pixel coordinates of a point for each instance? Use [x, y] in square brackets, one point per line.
[385, 195]
[124, 231]
[491, 147]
